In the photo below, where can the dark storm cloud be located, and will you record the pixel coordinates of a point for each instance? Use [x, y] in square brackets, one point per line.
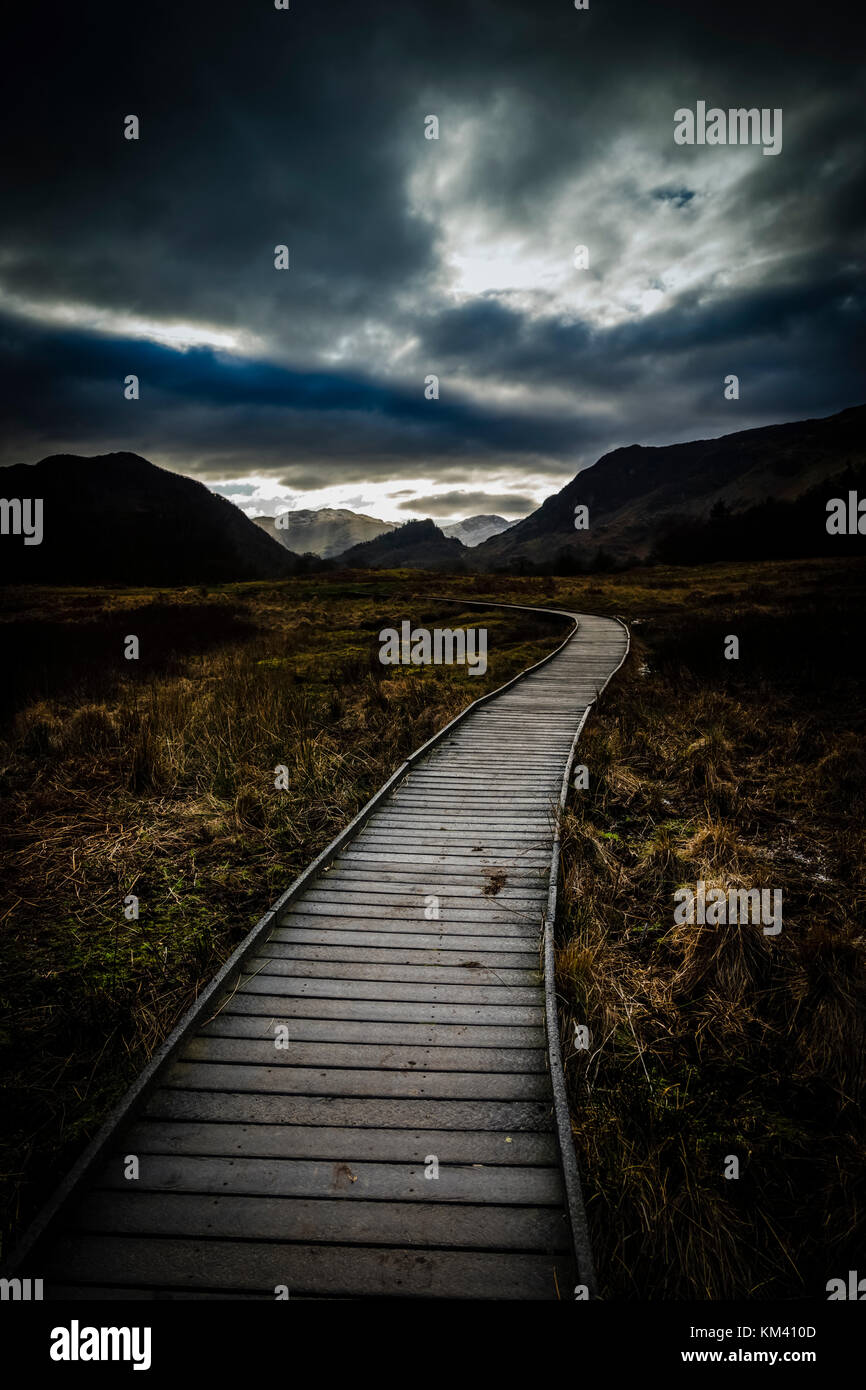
[450, 503]
[366, 425]
[501, 342]
[306, 128]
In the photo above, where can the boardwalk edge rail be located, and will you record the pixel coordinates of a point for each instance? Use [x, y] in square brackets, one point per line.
[570, 1170]
[145, 1081]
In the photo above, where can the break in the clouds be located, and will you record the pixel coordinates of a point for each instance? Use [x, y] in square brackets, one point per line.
[412, 257]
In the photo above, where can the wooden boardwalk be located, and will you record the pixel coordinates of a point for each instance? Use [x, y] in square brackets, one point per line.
[405, 1142]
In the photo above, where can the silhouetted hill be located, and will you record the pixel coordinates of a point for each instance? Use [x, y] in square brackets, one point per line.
[648, 501]
[417, 545]
[117, 519]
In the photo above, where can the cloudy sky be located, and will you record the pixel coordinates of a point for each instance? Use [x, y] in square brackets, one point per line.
[411, 256]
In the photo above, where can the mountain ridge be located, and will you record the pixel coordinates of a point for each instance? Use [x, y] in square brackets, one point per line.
[322, 531]
[638, 494]
[119, 519]
[329, 531]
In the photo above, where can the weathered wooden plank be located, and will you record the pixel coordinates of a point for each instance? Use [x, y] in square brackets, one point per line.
[445, 828]
[443, 838]
[497, 822]
[402, 874]
[322, 942]
[458, 949]
[481, 910]
[386, 1056]
[500, 933]
[387, 1011]
[403, 993]
[467, 763]
[348, 1031]
[438, 837]
[489, 786]
[451, 932]
[408, 883]
[511, 968]
[446, 816]
[484, 780]
[310, 948]
[448, 809]
[444, 796]
[337, 1179]
[444, 861]
[339, 890]
[289, 1219]
[461, 807]
[468, 870]
[318, 1081]
[244, 1108]
[434, 972]
[222, 1140]
[477, 909]
[338, 1271]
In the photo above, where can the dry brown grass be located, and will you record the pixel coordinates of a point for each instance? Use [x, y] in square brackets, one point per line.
[708, 1041]
[158, 780]
[705, 1041]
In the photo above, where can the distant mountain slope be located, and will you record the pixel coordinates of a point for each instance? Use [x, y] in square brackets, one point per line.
[325, 531]
[117, 519]
[638, 497]
[417, 545]
[475, 529]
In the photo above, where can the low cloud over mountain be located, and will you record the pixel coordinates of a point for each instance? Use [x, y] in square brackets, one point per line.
[327, 531]
[476, 529]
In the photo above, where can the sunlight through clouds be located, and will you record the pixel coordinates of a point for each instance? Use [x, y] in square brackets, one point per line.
[119, 324]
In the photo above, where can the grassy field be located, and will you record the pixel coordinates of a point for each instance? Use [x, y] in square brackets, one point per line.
[156, 778]
[710, 1041]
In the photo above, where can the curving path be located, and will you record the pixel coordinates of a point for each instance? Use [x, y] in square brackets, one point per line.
[412, 1138]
